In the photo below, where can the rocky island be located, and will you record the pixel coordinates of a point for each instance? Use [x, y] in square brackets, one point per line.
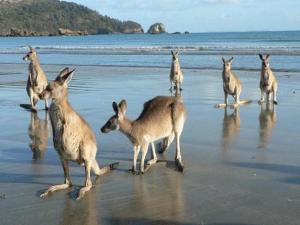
[157, 28]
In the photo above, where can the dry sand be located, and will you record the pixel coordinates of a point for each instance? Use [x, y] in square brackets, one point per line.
[240, 169]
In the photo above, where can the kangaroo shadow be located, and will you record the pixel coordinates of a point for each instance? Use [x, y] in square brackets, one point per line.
[231, 127]
[267, 120]
[38, 132]
[83, 212]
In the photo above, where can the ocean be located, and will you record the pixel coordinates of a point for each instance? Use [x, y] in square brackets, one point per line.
[197, 50]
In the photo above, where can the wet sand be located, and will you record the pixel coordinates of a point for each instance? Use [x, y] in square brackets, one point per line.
[241, 167]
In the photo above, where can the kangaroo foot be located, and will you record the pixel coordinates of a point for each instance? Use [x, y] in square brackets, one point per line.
[179, 165]
[55, 188]
[83, 191]
[151, 162]
[133, 171]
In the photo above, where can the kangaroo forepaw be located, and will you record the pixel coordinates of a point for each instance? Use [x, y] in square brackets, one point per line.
[275, 102]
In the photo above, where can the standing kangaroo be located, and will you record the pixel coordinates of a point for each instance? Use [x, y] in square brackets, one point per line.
[231, 84]
[162, 117]
[268, 82]
[176, 76]
[37, 80]
[73, 138]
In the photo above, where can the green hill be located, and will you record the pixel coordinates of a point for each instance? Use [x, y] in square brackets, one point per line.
[46, 17]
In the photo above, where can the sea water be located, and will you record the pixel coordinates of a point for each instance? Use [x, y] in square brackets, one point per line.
[197, 50]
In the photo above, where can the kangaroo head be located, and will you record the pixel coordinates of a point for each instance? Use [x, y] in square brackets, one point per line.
[227, 63]
[265, 60]
[175, 54]
[31, 55]
[114, 121]
[58, 89]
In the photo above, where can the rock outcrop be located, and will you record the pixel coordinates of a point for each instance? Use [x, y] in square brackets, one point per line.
[68, 32]
[157, 28]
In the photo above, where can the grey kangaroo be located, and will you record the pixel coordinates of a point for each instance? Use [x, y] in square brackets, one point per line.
[231, 85]
[73, 138]
[162, 117]
[268, 82]
[37, 80]
[176, 75]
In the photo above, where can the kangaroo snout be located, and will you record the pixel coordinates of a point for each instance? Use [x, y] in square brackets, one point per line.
[25, 58]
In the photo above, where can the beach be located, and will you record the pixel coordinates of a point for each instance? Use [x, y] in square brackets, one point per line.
[241, 167]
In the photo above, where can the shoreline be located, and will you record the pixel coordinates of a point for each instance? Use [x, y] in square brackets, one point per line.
[199, 69]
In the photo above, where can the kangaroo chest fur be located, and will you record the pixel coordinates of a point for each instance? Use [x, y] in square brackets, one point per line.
[266, 81]
[36, 79]
[65, 138]
[229, 84]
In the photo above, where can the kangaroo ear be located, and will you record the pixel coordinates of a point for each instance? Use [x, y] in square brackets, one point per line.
[172, 52]
[65, 78]
[261, 57]
[31, 48]
[231, 59]
[267, 56]
[223, 60]
[123, 106]
[115, 107]
[64, 72]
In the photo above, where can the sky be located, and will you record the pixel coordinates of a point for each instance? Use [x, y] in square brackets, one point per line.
[204, 15]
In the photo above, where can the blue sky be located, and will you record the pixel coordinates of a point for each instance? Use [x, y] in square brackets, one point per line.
[204, 15]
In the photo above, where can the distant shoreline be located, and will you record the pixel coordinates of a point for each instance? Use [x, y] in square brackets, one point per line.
[81, 33]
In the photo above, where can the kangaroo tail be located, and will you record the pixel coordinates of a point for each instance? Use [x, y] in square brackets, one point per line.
[245, 102]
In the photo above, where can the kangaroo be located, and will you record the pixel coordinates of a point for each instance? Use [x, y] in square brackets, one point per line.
[231, 84]
[176, 76]
[162, 117]
[267, 120]
[38, 133]
[37, 80]
[268, 82]
[73, 138]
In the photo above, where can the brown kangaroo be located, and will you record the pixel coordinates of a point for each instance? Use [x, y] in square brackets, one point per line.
[37, 80]
[162, 117]
[268, 82]
[73, 138]
[176, 75]
[231, 85]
